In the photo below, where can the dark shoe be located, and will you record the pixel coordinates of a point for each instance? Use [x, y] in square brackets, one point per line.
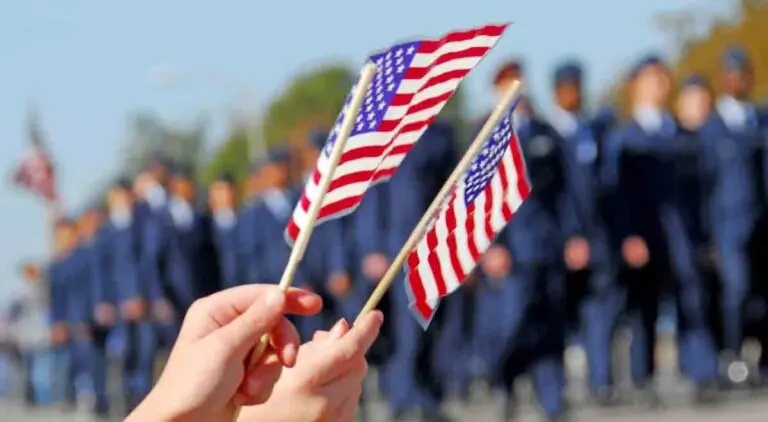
[606, 397]
[434, 416]
[649, 397]
[707, 394]
[504, 407]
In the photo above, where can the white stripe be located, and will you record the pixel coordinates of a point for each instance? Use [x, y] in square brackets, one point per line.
[425, 59]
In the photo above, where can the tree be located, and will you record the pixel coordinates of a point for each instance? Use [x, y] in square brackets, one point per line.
[701, 53]
[312, 101]
[232, 157]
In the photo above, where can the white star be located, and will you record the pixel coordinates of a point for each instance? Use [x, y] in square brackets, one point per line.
[388, 71]
[379, 61]
[390, 78]
[371, 116]
[382, 106]
[399, 52]
[360, 127]
[372, 124]
[391, 87]
[359, 118]
[380, 97]
[400, 69]
[410, 50]
[388, 57]
[399, 60]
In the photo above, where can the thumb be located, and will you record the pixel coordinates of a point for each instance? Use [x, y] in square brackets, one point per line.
[260, 318]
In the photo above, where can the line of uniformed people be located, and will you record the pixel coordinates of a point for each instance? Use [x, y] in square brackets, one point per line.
[623, 214]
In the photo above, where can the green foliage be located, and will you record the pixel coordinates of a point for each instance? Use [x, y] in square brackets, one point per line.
[703, 55]
[312, 100]
[232, 157]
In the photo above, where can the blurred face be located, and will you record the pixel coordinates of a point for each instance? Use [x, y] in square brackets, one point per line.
[89, 224]
[119, 199]
[182, 188]
[221, 195]
[253, 185]
[502, 85]
[66, 237]
[310, 159]
[142, 184]
[651, 86]
[568, 96]
[158, 173]
[738, 83]
[693, 106]
[275, 175]
[31, 273]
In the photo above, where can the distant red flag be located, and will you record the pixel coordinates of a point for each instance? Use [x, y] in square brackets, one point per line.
[35, 172]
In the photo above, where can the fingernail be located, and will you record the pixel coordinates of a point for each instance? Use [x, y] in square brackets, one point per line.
[339, 329]
[254, 386]
[290, 352]
[274, 298]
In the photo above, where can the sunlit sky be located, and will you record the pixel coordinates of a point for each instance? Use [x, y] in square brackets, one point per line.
[87, 64]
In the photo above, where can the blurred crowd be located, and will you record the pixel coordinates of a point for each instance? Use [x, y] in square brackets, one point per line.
[628, 214]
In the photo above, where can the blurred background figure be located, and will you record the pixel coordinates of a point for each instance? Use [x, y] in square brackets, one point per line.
[223, 205]
[29, 321]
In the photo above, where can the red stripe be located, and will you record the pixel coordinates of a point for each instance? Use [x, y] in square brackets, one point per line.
[430, 46]
[420, 72]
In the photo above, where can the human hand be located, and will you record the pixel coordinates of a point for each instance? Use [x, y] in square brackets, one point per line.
[496, 263]
[635, 251]
[577, 253]
[163, 311]
[105, 314]
[327, 381]
[339, 284]
[132, 309]
[205, 377]
[59, 333]
[374, 266]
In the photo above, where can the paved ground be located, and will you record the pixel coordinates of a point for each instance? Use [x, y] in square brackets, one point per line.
[752, 411]
[736, 407]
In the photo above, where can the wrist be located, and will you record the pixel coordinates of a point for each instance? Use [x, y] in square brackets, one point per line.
[155, 409]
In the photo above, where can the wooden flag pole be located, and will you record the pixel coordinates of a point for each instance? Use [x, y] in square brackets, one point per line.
[302, 240]
[421, 228]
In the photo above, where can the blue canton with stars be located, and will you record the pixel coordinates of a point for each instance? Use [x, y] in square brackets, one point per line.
[484, 165]
[392, 65]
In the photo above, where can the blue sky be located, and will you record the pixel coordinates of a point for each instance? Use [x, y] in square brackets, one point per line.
[87, 65]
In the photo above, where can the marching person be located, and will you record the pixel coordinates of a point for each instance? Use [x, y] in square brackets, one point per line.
[222, 202]
[122, 281]
[588, 258]
[640, 172]
[530, 250]
[733, 142]
[325, 262]
[413, 379]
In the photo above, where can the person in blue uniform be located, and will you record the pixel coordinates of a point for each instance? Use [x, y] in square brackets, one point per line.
[733, 142]
[62, 308]
[593, 295]
[413, 379]
[325, 262]
[122, 279]
[222, 202]
[99, 314]
[532, 314]
[495, 266]
[187, 262]
[262, 245]
[695, 331]
[640, 171]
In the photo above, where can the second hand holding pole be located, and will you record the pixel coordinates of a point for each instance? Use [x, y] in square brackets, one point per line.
[418, 232]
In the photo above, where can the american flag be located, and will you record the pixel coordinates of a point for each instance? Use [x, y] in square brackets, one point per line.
[413, 83]
[35, 172]
[481, 205]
